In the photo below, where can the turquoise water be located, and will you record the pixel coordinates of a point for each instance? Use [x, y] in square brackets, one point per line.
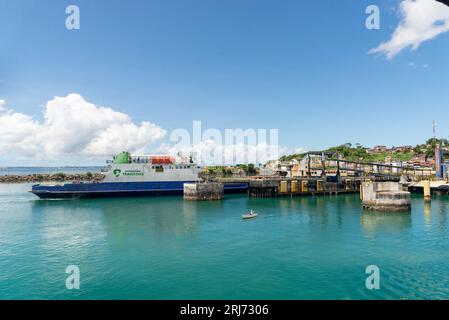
[167, 248]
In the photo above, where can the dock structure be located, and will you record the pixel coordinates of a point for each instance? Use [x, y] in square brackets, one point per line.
[263, 188]
[439, 187]
[281, 187]
[327, 173]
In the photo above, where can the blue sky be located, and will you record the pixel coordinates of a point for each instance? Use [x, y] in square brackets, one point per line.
[300, 66]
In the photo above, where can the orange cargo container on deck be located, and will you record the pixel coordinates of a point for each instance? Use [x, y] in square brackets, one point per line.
[162, 160]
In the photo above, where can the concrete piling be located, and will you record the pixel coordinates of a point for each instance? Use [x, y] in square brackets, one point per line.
[427, 194]
[385, 196]
[203, 191]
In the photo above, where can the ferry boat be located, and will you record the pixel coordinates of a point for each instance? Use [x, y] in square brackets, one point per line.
[132, 176]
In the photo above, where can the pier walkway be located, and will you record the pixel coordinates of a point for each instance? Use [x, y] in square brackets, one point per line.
[263, 187]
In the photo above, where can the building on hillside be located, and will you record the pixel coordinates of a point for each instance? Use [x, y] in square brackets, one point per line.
[401, 149]
[377, 149]
[272, 164]
[301, 169]
[286, 167]
[276, 167]
[267, 172]
[418, 160]
[396, 166]
[237, 172]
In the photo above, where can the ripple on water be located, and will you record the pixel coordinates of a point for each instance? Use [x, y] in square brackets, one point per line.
[300, 248]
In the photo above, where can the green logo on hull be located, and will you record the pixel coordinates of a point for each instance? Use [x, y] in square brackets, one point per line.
[117, 172]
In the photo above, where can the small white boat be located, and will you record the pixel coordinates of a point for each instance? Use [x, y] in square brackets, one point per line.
[251, 215]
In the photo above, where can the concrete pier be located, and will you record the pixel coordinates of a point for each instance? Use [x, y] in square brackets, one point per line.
[203, 191]
[281, 187]
[385, 196]
[430, 188]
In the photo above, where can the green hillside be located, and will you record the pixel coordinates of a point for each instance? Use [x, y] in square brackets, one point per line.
[358, 152]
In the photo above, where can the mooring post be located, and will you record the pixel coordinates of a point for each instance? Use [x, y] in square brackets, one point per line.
[427, 193]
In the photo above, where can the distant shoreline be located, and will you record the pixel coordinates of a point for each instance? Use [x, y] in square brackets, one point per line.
[25, 171]
[56, 177]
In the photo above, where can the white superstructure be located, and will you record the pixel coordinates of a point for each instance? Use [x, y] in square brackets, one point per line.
[151, 168]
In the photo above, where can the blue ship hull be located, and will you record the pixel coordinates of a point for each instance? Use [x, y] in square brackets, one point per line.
[121, 189]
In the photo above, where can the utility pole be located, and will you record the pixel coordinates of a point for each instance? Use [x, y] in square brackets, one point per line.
[434, 128]
[308, 165]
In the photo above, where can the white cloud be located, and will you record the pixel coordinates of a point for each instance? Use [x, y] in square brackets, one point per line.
[17, 133]
[73, 126]
[421, 20]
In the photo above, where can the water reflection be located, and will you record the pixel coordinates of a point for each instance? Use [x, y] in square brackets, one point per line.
[125, 218]
[427, 211]
[166, 246]
[434, 212]
[318, 214]
[287, 206]
[441, 212]
[373, 222]
[65, 233]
